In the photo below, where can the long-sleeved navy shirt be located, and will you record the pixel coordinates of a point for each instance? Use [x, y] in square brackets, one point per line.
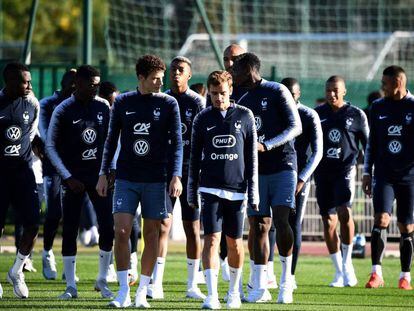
[76, 137]
[309, 144]
[18, 125]
[47, 106]
[277, 122]
[224, 152]
[390, 148]
[343, 131]
[145, 122]
[190, 103]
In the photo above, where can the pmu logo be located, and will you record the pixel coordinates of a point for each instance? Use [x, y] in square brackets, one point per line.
[264, 104]
[99, 117]
[13, 133]
[89, 135]
[334, 135]
[26, 117]
[333, 153]
[141, 147]
[89, 154]
[142, 128]
[156, 113]
[224, 141]
[183, 128]
[394, 130]
[258, 121]
[12, 151]
[394, 146]
[188, 114]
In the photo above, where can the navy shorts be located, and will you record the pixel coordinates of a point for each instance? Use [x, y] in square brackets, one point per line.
[333, 191]
[18, 189]
[187, 213]
[385, 192]
[221, 215]
[275, 190]
[128, 194]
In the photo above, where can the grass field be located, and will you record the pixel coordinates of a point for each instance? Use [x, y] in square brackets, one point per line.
[313, 275]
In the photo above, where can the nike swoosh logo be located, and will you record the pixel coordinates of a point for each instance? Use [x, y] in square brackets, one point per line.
[77, 121]
[382, 117]
[323, 120]
[130, 112]
[210, 128]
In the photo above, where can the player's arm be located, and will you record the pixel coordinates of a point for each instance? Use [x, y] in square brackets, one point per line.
[364, 131]
[251, 163]
[34, 126]
[175, 187]
[44, 119]
[369, 155]
[316, 146]
[195, 163]
[291, 115]
[111, 144]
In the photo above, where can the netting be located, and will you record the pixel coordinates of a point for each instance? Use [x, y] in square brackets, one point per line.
[306, 39]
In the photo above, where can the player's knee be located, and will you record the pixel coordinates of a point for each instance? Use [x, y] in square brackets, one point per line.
[344, 214]
[407, 229]
[122, 234]
[235, 245]
[261, 227]
[382, 220]
[329, 222]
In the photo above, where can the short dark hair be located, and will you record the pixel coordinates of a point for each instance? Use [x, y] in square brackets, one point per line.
[11, 70]
[107, 88]
[147, 64]
[393, 71]
[87, 72]
[289, 82]
[335, 79]
[181, 59]
[247, 60]
[218, 77]
[68, 78]
[374, 96]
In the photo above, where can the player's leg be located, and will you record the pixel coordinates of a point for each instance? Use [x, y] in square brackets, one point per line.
[212, 223]
[405, 216]
[133, 240]
[383, 200]
[154, 210]
[125, 201]
[88, 225]
[225, 272]
[271, 277]
[191, 223]
[71, 206]
[295, 220]
[250, 242]
[233, 216]
[105, 221]
[53, 216]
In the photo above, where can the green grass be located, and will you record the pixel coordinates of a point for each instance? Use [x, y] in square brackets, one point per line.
[313, 275]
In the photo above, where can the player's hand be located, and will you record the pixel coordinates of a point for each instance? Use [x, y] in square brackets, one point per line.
[102, 186]
[111, 179]
[299, 186]
[367, 184]
[75, 185]
[176, 188]
[261, 147]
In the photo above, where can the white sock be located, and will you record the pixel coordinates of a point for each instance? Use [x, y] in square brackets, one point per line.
[158, 273]
[18, 263]
[377, 269]
[235, 275]
[144, 281]
[211, 276]
[48, 253]
[347, 254]
[123, 280]
[104, 261]
[406, 275]
[261, 276]
[192, 269]
[337, 262]
[133, 261]
[69, 268]
[286, 269]
[251, 275]
[270, 269]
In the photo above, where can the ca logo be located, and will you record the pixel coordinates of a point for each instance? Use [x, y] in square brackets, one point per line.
[13, 133]
[141, 147]
[395, 146]
[89, 135]
[334, 136]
